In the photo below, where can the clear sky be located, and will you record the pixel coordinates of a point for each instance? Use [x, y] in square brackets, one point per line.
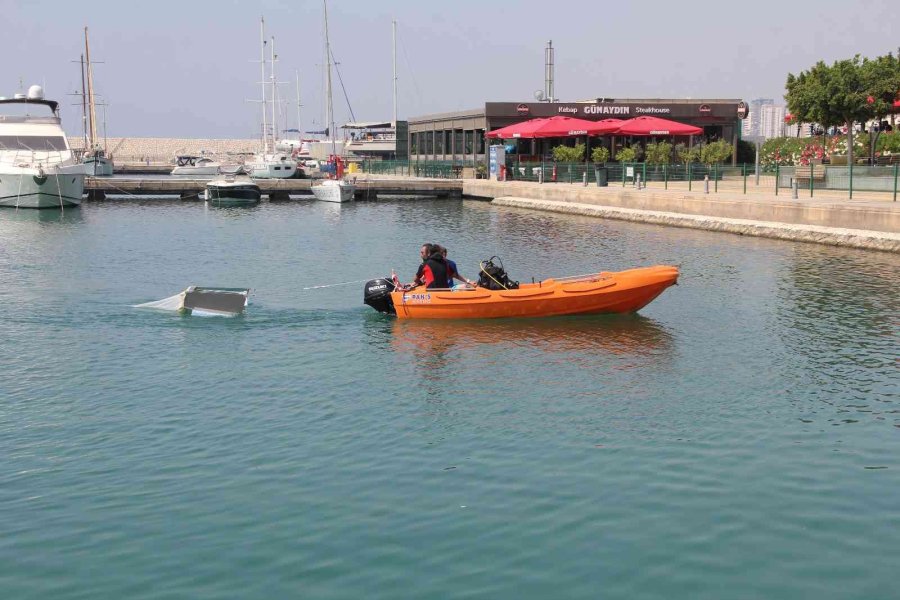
[185, 69]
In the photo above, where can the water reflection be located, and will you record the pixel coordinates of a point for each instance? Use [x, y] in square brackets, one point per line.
[622, 335]
[64, 216]
[837, 318]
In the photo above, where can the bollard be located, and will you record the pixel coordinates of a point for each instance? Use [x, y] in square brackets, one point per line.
[541, 175]
[637, 180]
[584, 179]
[706, 184]
[795, 190]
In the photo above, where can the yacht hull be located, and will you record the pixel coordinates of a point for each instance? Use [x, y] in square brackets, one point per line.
[98, 167]
[272, 170]
[51, 190]
[213, 170]
[334, 191]
[232, 194]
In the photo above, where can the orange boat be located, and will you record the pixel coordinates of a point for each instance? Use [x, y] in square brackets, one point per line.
[605, 292]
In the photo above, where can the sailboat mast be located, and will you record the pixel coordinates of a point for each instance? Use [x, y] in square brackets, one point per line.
[394, 37]
[84, 128]
[329, 111]
[262, 65]
[274, 97]
[90, 91]
[299, 121]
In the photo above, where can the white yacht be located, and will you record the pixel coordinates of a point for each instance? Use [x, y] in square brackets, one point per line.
[37, 167]
[272, 166]
[187, 164]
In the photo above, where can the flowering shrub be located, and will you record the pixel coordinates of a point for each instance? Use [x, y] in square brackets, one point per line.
[788, 151]
[888, 144]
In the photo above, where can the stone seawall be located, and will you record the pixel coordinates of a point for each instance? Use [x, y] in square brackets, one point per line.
[859, 224]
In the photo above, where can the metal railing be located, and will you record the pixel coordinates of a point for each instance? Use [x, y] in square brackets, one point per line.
[835, 181]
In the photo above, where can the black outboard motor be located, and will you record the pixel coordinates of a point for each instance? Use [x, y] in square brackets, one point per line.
[378, 295]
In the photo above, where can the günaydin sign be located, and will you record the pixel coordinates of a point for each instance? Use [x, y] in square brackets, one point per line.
[599, 109]
[742, 110]
[705, 109]
[523, 109]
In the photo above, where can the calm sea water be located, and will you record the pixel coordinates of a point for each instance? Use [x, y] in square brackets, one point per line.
[737, 439]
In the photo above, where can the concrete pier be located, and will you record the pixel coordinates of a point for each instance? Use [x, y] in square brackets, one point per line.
[866, 224]
[275, 189]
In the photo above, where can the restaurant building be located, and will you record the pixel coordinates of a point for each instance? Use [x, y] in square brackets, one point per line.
[460, 136]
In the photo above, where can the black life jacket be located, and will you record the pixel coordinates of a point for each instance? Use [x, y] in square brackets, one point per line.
[438, 270]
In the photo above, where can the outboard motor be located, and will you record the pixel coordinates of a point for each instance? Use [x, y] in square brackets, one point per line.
[378, 295]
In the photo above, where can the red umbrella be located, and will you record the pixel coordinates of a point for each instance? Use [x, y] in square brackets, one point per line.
[605, 126]
[565, 127]
[656, 126]
[525, 129]
[555, 127]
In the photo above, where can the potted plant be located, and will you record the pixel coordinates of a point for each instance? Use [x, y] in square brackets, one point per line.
[599, 156]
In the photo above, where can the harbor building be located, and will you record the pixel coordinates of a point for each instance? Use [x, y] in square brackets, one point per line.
[460, 136]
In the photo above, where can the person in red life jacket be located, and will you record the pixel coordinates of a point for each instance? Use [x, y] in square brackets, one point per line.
[433, 271]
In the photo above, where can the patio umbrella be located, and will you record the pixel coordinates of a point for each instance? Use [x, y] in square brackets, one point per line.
[525, 129]
[566, 127]
[555, 127]
[605, 126]
[656, 126]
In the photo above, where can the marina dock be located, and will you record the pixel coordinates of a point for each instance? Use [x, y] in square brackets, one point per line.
[97, 188]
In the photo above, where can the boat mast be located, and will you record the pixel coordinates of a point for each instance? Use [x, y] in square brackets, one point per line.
[299, 121]
[394, 37]
[265, 125]
[274, 97]
[90, 91]
[84, 128]
[329, 112]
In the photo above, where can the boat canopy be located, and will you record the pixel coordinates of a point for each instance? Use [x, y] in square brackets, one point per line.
[51, 103]
[369, 125]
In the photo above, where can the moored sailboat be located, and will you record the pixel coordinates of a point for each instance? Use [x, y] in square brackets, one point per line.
[336, 188]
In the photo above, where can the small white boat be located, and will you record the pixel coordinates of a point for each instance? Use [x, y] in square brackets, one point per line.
[334, 190]
[195, 165]
[232, 191]
[37, 166]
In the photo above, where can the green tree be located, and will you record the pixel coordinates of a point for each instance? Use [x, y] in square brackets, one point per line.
[715, 152]
[881, 77]
[659, 153]
[569, 154]
[600, 154]
[626, 154]
[687, 154]
[835, 95]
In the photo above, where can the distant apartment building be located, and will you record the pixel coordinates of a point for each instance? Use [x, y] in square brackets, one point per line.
[771, 121]
[752, 125]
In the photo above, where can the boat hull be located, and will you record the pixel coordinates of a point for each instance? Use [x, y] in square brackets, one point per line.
[333, 191]
[271, 168]
[602, 293]
[233, 194]
[187, 170]
[50, 190]
[98, 166]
